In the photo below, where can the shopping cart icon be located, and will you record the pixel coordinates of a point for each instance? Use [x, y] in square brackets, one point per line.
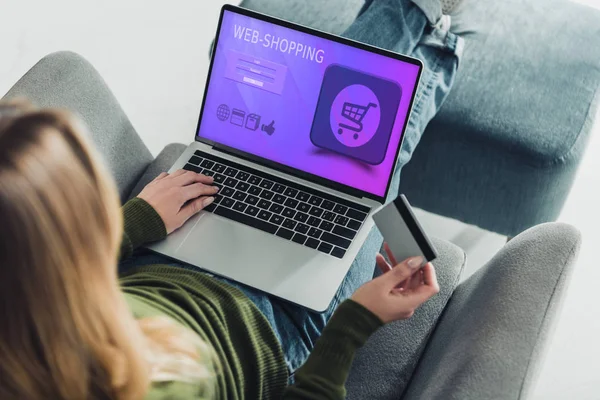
[354, 113]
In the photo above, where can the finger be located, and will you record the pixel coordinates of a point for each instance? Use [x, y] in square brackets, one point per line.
[429, 276]
[194, 207]
[196, 190]
[429, 289]
[382, 264]
[402, 271]
[160, 176]
[389, 253]
[415, 280]
[189, 177]
[177, 173]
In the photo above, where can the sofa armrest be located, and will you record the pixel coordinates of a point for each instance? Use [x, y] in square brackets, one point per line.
[490, 339]
[384, 365]
[67, 80]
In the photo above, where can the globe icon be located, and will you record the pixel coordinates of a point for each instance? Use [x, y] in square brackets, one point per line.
[223, 112]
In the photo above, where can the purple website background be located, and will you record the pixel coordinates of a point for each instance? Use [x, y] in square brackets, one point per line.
[288, 95]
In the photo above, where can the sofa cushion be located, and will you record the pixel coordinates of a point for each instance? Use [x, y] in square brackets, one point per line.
[383, 367]
[506, 144]
[490, 341]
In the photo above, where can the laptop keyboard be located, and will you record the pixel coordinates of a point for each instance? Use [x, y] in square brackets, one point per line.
[280, 207]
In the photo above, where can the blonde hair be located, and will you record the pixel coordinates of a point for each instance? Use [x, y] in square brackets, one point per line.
[66, 331]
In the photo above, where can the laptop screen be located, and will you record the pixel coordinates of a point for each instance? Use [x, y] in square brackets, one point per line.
[310, 103]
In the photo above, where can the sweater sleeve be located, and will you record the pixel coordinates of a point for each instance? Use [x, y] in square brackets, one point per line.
[324, 373]
[141, 224]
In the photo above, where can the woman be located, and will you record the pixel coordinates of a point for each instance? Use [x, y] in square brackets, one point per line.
[73, 329]
[69, 330]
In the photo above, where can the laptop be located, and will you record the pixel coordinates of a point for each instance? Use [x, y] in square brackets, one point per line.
[301, 131]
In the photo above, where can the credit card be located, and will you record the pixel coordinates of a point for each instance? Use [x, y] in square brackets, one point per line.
[402, 231]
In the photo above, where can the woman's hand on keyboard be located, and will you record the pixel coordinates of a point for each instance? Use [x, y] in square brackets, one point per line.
[178, 196]
[400, 290]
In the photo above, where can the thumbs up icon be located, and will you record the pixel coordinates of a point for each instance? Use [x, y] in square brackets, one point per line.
[270, 129]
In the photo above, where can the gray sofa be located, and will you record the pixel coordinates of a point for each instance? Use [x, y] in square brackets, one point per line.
[480, 339]
[504, 148]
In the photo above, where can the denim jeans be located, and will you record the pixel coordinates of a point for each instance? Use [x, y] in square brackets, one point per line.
[404, 27]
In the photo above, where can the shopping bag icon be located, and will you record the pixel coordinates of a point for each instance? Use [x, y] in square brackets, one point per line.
[252, 121]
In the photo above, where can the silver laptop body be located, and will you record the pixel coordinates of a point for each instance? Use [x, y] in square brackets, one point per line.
[259, 258]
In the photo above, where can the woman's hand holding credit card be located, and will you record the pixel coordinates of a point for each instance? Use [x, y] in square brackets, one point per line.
[406, 284]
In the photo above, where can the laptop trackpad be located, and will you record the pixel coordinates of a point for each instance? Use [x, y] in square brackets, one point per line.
[245, 254]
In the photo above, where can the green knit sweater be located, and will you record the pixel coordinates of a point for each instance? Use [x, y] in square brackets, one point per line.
[250, 356]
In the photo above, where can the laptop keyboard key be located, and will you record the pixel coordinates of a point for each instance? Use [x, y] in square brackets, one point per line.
[239, 195]
[193, 168]
[254, 180]
[252, 200]
[299, 238]
[255, 190]
[313, 221]
[285, 233]
[325, 247]
[352, 224]
[291, 203]
[246, 219]
[227, 191]
[276, 208]
[326, 226]
[314, 232]
[335, 240]
[278, 188]
[265, 184]
[207, 164]
[227, 202]
[302, 228]
[301, 217]
[340, 209]
[304, 207]
[230, 182]
[195, 160]
[312, 243]
[328, 216]
[316, 211]
[219, 168]
[279, 199]
[358, 215]
[303, 196]
[340, 220]
[242, 176]
[264, 214]
[315, 201]
[289, 223]
[288, 212]
[210, 208]
[264, 204]
[345, 232]
[239, 206]
[230, 171]
[219, 178]
[276, 219]
[208, 173]
[267, 194]
[328, 204]
[251, 210]
[337, 252]
[290, 192]
[243, 186]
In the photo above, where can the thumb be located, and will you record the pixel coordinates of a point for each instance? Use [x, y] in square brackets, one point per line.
[403, 271]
